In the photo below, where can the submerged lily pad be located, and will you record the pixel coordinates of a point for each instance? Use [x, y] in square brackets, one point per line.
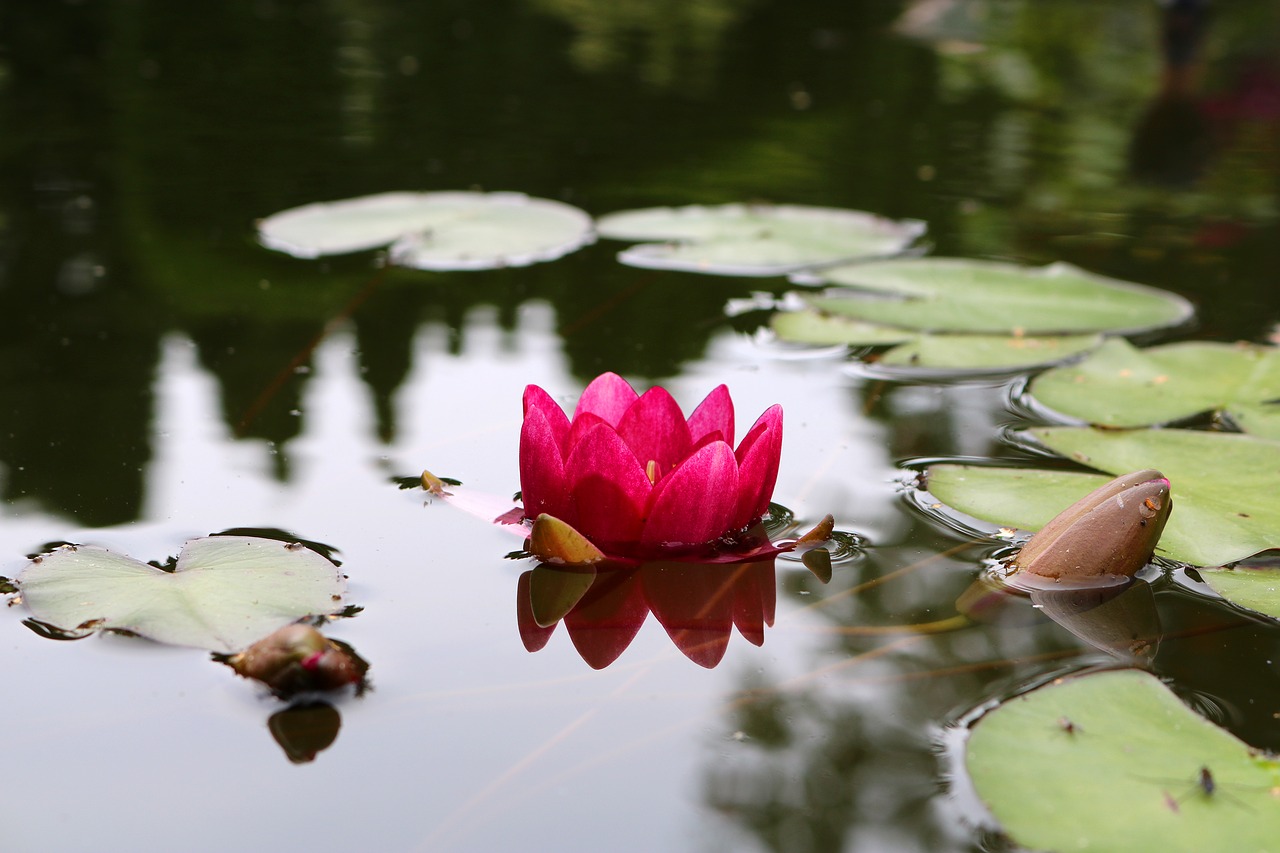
[1121, 385]
[917, 349]
[224, 592]
[1223, 487]
[433, 231]
[1114, 761]
[961, 295]
[754, 239]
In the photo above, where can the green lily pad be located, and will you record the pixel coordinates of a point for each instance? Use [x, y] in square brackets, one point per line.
[987, 352]
[433, 231]
[960, 295]
[1256, 589]
[1121, 385]
[809, 326]
[1114, 761]
[753, 239]
[1223, 487]
[934, 352]
[224, 593]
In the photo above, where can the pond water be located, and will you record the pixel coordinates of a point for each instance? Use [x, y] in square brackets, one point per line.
[168, 378]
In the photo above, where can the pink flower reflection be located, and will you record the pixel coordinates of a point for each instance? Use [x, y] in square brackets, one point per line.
[698, 605]
[629, 473]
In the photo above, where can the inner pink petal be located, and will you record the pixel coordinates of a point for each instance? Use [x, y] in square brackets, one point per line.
[695, 503]
[654, 428]
[714, 414]
[536, 398]
[609, 396]
[543, 486]
[758, 458]
[609, 486]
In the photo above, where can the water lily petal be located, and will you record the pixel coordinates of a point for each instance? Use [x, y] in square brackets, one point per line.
[536, 398]
[607, 618]
[755, 599]
[694, 603]
[543, 485]
[696, 502]
[758, 456]
[609, 396]
[608, 485]
[655, 428]
[714, 414]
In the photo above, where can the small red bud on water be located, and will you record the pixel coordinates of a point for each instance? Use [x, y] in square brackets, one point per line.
[297, 659]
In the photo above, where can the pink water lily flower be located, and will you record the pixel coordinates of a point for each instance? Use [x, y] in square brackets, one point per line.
[636, 478]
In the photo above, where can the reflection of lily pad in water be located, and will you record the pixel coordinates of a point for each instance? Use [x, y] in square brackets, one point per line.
[1113, 761]
[224, 593]
[912, 349]
[433, 231]
[959, 295]
[753, 239]
[1223, 487]
[1120, 385]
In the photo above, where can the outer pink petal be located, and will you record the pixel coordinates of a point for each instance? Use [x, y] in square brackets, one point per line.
[609, 396]
[609, 487]
[655, 428]
[696, 502]
[536, 398]
[758, 456]
[714, 414]
[543, 484]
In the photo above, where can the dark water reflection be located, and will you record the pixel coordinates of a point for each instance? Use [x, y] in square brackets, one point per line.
[165, 377]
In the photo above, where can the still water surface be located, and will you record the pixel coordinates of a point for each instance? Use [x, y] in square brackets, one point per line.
[147, 336]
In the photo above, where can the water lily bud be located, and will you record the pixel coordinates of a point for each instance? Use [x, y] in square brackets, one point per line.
[1111, 532]
[298, 658]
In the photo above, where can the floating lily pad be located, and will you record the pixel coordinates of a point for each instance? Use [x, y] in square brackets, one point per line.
[224, 593]
[1257, 589]
[1114, 761]
[986, 352]
[1223, 487]
[959, 295]
[754, 239]
[969, 353]
[433, 231]
[1121, 385]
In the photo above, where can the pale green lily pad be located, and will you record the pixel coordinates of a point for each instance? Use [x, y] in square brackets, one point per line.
[225, 593]
[934, 352]
[1121, 385]
[1257, 589]
[1223, 486]
[813, 327]
[754, 239]
[960, 295]
[433, 231]
[987, 352]
[1111, 762]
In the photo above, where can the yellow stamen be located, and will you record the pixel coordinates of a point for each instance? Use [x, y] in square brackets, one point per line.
[651, 471]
